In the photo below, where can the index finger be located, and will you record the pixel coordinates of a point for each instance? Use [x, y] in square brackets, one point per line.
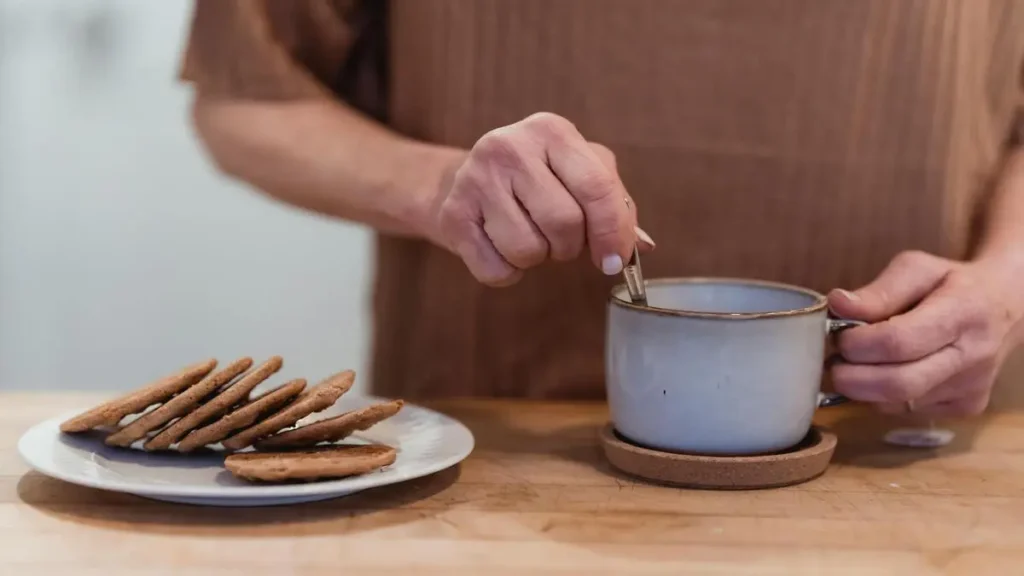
[897, 383]
[932, 325]
[598, 191]
[643, 240]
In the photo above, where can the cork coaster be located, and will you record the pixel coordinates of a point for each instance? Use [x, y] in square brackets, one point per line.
[804, 462]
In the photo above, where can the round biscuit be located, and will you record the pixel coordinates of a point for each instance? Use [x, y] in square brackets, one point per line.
[317, 398]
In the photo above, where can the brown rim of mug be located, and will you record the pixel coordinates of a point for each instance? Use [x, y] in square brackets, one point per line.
[820, 301]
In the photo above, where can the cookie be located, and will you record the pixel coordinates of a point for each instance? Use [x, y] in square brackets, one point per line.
[312, 464]
[331, 429]
[111, 412]
[317, 398]
[243, 416]
[177, 406]
[217, 406]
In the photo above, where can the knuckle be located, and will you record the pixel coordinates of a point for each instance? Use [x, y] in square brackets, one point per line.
[901, 386]
[526, 252]
[454, 214]
[912, 259]
[602, 149]
[980, 341]
[598, 183]
[596, 191]
[456, 225]
[945, 328]
[562, 222]
[498, 147]
[470, 180]
[893, 343]
[982, 315]
[976, 318]
[548, 123]
[958, 281]
[846, 384]
[564, 230]
[604, 153]
[472, 174]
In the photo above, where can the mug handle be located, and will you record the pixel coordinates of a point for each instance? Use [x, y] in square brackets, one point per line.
[835, 325]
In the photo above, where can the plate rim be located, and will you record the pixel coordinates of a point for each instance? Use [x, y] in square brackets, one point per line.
[340, 485]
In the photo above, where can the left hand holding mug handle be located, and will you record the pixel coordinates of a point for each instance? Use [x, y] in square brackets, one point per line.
[938, 332]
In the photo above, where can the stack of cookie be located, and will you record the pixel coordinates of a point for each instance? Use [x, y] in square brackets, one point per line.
[199, 407]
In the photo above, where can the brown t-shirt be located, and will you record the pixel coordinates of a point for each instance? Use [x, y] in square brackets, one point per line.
[804, 141]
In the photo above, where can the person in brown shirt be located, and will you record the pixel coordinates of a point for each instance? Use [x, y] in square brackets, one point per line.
[494, 144]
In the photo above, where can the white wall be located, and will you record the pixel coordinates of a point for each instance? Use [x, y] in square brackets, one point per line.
[123, 255]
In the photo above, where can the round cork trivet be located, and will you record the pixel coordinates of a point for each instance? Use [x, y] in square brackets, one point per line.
[803, 462]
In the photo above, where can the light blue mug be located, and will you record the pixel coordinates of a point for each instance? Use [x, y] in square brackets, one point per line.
[717, 365]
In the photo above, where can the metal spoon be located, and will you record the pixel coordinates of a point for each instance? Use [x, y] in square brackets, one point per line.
[635, 279]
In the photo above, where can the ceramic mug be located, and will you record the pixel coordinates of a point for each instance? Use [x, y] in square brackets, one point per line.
[717, 366]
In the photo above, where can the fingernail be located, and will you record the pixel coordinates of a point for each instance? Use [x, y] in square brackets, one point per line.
[849, 295]
[643, 236]
[611, 265]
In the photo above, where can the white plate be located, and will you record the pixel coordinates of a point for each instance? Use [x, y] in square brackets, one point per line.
[426, 441]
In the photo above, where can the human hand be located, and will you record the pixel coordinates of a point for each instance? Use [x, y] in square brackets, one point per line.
[535, 191]
[940, 330]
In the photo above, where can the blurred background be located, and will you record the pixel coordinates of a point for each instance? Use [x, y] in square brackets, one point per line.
[123, 253]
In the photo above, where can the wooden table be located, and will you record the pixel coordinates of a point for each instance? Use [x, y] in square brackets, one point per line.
[536, 497]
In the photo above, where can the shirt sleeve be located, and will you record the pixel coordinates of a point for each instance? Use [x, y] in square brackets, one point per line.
[267, 49]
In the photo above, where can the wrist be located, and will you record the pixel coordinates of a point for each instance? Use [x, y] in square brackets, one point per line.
[1002, 272]
[1005, 264]
[426, 177]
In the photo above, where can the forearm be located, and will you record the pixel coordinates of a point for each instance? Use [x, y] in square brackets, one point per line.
[1000, 254]
[1003, 237]
[325, 157]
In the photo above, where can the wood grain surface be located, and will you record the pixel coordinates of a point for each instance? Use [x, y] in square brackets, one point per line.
[536, 497]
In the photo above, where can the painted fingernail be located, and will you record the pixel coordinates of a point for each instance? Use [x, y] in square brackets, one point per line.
[849, 295]
[644, 236]
[611, 264]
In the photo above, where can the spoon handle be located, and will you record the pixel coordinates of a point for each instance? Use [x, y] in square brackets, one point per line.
[635, 279]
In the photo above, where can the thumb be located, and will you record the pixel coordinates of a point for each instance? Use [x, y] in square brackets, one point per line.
[902, 284]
